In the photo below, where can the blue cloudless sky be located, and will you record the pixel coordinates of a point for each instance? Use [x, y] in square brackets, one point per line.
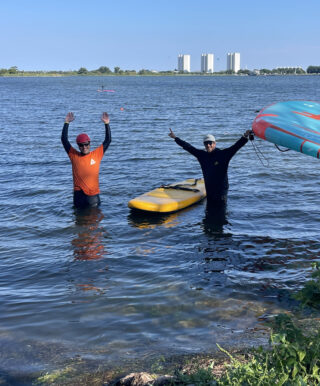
[69, 34]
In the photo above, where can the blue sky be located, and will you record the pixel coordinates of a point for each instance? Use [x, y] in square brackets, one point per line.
[64, 35]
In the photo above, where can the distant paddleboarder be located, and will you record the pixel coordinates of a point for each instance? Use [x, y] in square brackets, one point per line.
[214, 163]
[85, 164]
[104, 90]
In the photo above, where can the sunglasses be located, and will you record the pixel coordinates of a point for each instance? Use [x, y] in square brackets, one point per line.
[84, 144]
[208, 143]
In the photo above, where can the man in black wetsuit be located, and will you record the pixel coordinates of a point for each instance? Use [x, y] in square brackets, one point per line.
[85, 164]
[214, 163]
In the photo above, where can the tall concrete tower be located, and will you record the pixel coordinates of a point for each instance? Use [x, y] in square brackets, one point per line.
[233, 62]
[184, 63]
[207, 63]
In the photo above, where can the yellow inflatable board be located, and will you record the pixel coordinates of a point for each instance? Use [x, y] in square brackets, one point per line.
[170, 198]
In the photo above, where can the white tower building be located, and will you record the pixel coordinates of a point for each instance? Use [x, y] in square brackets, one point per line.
[233, 62]
[184, 63]
[207, 63]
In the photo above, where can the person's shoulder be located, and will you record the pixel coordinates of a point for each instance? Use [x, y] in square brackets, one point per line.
[226, 149]
[97, 150]
[73, 151]
[202, 154]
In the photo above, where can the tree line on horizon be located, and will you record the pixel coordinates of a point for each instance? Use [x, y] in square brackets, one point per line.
[104, 70]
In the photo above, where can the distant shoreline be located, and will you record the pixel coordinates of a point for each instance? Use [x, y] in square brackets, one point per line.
[14, 71]
[57, 75]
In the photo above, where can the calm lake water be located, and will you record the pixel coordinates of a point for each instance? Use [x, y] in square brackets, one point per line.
[109, 285]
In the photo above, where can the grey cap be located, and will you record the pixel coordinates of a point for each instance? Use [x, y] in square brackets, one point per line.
[209, 137]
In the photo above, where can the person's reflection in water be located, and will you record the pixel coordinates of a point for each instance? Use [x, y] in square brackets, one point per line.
[88, 244]
[215, 218]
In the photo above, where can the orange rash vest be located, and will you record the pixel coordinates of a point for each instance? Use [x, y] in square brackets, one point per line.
[85, 170]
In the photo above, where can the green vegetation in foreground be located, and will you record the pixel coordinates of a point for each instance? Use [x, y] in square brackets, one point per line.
[105, 71]
[309, 295]
[292, 359]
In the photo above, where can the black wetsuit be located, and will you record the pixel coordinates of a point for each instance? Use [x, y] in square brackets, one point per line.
[214, 167]
[80, 199]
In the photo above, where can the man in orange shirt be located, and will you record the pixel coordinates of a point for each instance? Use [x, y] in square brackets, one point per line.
[85, 164]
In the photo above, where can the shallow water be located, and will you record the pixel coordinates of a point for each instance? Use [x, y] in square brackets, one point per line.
[109, 284]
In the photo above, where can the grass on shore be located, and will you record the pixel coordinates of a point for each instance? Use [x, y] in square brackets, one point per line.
[293, 357]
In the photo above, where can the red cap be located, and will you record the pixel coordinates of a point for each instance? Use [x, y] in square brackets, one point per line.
[83, 137]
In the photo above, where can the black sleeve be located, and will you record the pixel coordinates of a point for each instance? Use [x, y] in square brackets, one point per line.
[64, 138]
[186, 146]
[231, 151]
[107, 139]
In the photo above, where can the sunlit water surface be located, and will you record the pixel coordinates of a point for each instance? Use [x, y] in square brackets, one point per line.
[110, 285]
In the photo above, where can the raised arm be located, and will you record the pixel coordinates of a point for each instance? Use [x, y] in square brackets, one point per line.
[107, 140]
[185, 145]
[171, 134]
[64, 136]
[238, 145]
